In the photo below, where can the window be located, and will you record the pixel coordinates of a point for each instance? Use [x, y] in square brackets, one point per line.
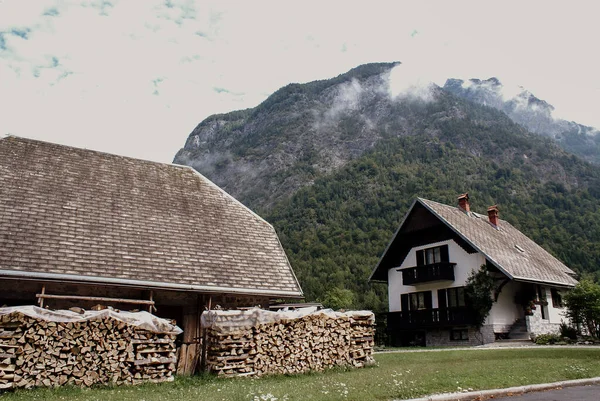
[459, 335]
[416, 301]
[556, 298]
[451, 297]
[456, 297]
[433, 255]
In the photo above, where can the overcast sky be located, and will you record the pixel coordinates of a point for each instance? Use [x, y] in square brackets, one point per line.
[135, 77]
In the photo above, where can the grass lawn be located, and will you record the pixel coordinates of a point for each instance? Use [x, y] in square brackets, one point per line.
[396, 375]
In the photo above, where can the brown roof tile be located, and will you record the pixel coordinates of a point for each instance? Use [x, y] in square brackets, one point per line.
[76, 212]
[505, 246]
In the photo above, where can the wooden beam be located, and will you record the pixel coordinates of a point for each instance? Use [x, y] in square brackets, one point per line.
[99, 299]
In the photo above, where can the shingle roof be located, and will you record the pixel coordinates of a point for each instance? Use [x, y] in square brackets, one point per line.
[75, 214]
[506, 247]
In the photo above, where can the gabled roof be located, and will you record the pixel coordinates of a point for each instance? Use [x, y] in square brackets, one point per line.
[504, 246]
[84, 216]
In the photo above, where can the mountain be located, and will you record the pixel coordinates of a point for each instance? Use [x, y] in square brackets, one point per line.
[534, 114]
[264, 154]
[335, 164]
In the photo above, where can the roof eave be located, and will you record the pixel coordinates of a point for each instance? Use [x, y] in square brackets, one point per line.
[20, 274]
[391, 242]
[550, 282]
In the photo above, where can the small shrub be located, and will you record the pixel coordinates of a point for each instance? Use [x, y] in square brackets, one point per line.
[545, 339]
[568, 331]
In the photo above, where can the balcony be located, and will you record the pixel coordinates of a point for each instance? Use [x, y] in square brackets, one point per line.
[427, 273]
[429, 318]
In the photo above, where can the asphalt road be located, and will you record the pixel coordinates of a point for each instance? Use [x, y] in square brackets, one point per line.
[580, 393]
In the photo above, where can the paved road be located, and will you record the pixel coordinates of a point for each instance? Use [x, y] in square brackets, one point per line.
[580, 393]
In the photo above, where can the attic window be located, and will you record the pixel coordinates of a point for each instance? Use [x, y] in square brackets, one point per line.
[519, 248]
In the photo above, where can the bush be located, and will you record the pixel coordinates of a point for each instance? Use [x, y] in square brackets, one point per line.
[568, 331]
[583, 307]
[478, 294]
[545, 339]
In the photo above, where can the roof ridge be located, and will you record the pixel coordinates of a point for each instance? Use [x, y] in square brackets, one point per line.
[100, 152]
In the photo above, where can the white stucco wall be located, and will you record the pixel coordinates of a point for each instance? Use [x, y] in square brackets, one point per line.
[504, 312]
[555, 315]
[465, 263]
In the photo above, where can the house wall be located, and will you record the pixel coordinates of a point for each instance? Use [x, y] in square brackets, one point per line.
[441, 337]
[465, 264]
[536, 325]
[556, 315]
[504, 311]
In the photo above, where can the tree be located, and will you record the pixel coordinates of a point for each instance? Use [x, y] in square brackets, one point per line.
[478, 294]
[339, 298]
[583, 306]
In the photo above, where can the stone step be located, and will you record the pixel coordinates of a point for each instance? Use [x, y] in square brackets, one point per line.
[519, 336]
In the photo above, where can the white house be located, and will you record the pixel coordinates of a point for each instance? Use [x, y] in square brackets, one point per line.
[429, 259]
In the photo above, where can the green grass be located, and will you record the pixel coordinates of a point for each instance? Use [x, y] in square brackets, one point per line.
[396, 375]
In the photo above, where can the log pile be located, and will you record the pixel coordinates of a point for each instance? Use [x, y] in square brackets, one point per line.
[287, 344]
[37, 352]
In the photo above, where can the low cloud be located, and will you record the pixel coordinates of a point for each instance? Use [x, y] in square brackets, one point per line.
[408, 81]
[347, 99]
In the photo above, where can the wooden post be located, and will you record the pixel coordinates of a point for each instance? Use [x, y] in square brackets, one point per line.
[41, 299]
[204, 344]
[188, 356]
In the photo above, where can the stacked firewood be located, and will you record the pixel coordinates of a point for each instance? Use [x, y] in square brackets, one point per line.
[37, 352]
[290, 345]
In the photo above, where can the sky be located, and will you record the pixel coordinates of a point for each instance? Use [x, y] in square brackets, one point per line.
[135, 77]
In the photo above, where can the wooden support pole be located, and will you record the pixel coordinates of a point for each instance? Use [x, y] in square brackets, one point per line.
[41, 299]
[151, 306]
[204, 344]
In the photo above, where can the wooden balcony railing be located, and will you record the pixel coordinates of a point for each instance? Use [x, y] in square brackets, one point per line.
[427, 273]
[429, 318]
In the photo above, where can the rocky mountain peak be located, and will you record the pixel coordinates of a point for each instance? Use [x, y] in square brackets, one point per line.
[535, 114]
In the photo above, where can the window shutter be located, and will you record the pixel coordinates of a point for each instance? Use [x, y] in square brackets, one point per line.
[420, 258]
[404, 302]
[444, 253]
[442, 299]
[428, 302]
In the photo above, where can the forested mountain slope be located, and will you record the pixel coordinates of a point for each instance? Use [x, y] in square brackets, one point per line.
[335, 164]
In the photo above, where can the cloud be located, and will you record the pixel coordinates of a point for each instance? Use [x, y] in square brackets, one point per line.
[85, 72]
[347, 99]
[408, 81]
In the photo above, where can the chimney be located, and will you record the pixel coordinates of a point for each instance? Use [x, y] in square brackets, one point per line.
[493, 215]
[463, 202]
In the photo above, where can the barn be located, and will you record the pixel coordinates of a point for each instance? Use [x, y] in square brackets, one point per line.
[81, 228]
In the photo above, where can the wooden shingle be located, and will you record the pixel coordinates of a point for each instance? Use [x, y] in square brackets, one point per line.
[79, 215]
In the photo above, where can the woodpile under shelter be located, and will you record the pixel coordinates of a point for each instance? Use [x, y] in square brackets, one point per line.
[81, 227]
